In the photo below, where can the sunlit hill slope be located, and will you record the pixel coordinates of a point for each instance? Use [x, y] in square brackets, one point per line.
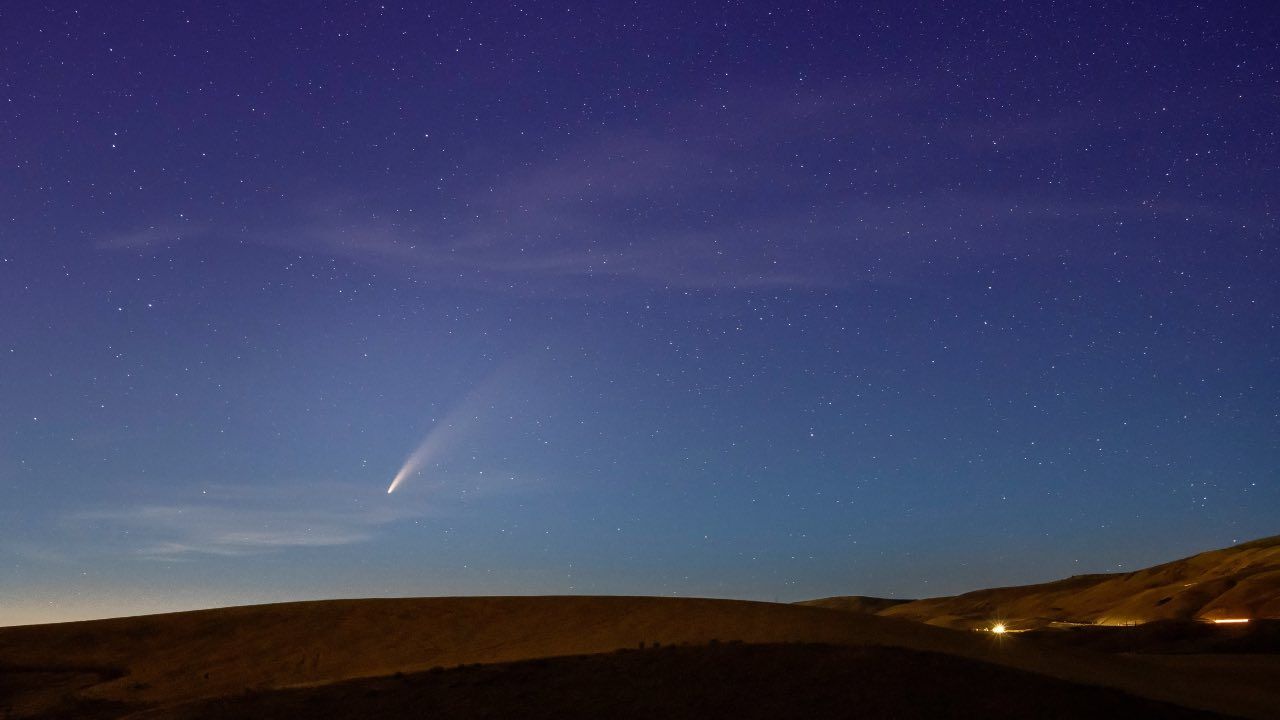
[1242, 581]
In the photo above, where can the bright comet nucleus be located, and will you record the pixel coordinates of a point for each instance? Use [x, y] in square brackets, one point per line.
[437, 439]
[445, 432]
[430, 444]
[428, 448]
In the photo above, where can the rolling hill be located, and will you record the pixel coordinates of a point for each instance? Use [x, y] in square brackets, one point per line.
[264, 660]
[180, 656]
[1242, 581]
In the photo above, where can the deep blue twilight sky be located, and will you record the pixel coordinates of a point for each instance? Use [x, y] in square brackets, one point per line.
[744, 300]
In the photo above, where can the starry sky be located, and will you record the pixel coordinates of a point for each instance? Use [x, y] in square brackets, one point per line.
[753, 300]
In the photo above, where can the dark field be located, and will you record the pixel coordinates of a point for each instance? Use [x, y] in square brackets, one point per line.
[717, 681]
[1167, 637]
[565, 657]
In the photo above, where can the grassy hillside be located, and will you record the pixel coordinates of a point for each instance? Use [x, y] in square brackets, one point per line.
[178, 656]
[105, 668]
[165, 660]
[1239, 581]
[744, 682]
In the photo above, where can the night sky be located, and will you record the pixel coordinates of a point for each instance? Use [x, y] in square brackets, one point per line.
[735, 300]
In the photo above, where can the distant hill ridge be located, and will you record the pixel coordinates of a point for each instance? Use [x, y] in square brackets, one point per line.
[1241, 581]
[854, 603]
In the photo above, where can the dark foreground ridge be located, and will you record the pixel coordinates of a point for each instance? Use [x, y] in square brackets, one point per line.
[725, 680]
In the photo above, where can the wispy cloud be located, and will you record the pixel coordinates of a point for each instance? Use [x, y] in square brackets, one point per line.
[622, 205]
[233, 521]
[151, 236]
[746, 187]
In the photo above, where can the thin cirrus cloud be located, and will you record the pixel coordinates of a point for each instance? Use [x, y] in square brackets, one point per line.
[236, 521]
[677, 207]
[715, 196]
[152, 236]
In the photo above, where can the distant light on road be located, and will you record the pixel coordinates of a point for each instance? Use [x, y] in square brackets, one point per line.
[1230, 621]
[999, 629]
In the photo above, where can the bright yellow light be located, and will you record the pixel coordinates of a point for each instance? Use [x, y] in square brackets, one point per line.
[1231, 620]
[999, 629]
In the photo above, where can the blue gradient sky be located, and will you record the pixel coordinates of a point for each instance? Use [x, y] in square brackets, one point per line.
[744, 300]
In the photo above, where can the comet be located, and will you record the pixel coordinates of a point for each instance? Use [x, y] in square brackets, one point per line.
[435, 441]
[443, 434]
[415, 461]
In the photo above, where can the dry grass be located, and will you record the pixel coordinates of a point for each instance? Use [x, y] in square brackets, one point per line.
[98, 668]
[744, 682]
[182, 657]
[1239, 581]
